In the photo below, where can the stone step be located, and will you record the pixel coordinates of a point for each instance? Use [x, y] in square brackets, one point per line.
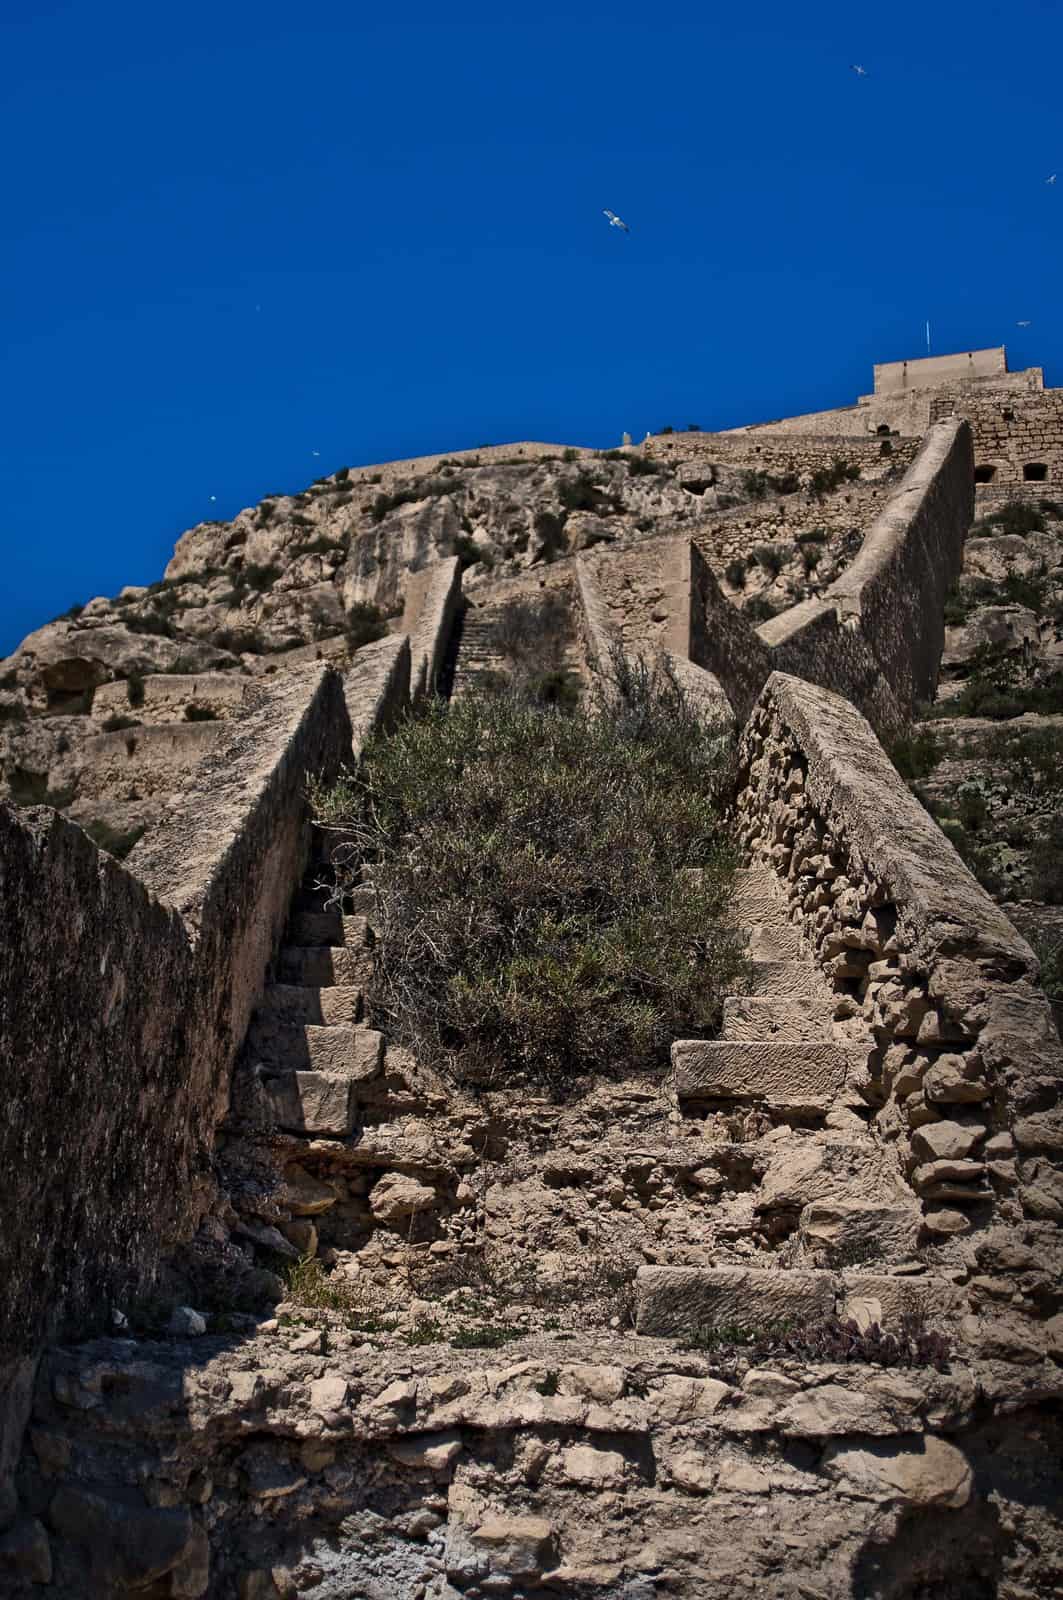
[676, 1301]
[321, 966]
[747, 1018]
[673, 1301]
[316, 927]
[317, 1103]
[789, 1075]
[785, 979]
[345, 1049]
[776, 942]
[758, 897]
[305, 1003]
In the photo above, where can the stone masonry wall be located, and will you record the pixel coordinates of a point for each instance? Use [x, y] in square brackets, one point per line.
[967, 1069]
[1010, 433]
[125, 991]
[895, 588]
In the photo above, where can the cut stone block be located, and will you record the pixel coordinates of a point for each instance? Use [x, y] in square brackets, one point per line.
[324, 965]
[880, 1297]
[784, 1074]
[311, 1102]
[748, 1018]
[677, 1300]
[775, 942]
[757, 896]
[317, 927]
[349, 1051]
[784, 979]
[860, 1229]
[303, 1003]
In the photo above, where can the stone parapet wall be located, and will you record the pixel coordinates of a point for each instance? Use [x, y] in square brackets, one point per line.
[895, 589]
[966, 1071]
[125, 991]
[432, 603]
[760, 453]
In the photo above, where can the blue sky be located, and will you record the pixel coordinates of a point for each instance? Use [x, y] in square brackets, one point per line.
[232, 235]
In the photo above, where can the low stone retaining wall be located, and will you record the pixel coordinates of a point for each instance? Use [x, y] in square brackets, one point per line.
[966, 1071]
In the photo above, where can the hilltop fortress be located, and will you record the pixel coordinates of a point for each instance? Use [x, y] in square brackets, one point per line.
[200, 1115]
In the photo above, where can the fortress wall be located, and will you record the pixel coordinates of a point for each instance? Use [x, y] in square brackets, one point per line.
[167, 694]
[126, 989]
[139, 763]
[645, 590]
[905, 933]
[809, 641]
[895, 588]
[778, 456]
[1010, 434]
[597, 632]
[433, 597]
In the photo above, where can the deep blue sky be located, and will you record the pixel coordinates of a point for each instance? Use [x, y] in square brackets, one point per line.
[233, 234]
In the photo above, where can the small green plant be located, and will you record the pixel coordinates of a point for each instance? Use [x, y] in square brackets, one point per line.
[1048, 949]
[569, 454]
[1046, 863]
[117, 723]
[198, 713]
[485, 1338]
[550, 532]
[469, 553]
[735, 573]
[426, 1330]
[810, 557]
[826, 479]
[916, 754]
[134, 689]
[640, 466]
[550, 1383]
[885, 448]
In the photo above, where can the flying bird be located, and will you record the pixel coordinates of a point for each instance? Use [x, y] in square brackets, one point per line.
[213, 497]
[614, 220]
[861, 72]
[1052, 179]
[315, 452]
[1022, 324]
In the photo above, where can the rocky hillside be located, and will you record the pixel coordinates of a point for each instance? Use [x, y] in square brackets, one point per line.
[104, 711]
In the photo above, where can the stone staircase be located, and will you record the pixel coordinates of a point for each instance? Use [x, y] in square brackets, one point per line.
[476, 661]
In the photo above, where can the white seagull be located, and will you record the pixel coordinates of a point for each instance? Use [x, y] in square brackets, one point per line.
[1022, 324]
[1052, 179]
[861, 72]
[315, 452]
[614, 220]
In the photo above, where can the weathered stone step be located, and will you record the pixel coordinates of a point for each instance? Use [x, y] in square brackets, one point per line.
[304, 1003]
[804, 1018]
[673, 1301]
[319, 1103]
[346, 1049]
[775, 942]
[789, 1074]
[321, 966]
[785, 979]
[316, 927]
[757, 897]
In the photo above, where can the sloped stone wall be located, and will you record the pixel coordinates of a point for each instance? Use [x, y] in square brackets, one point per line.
[967, 1072]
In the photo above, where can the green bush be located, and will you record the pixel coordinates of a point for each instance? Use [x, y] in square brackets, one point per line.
[916, 754]
[827, 479]
[537, 924]
[1049, 953]
[644, 466]
[770, 557]
[754, 485]
[998, 686]
[469, 552]
[196, 713]
[116, 724]
[735, 573]
[550, 532]
[1046, 863]
[569, 454]
[134, 689]
[365, 623]
[1032, 760]
[1016, 517]
[810, 557]
[759, 609]
[532, 634]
